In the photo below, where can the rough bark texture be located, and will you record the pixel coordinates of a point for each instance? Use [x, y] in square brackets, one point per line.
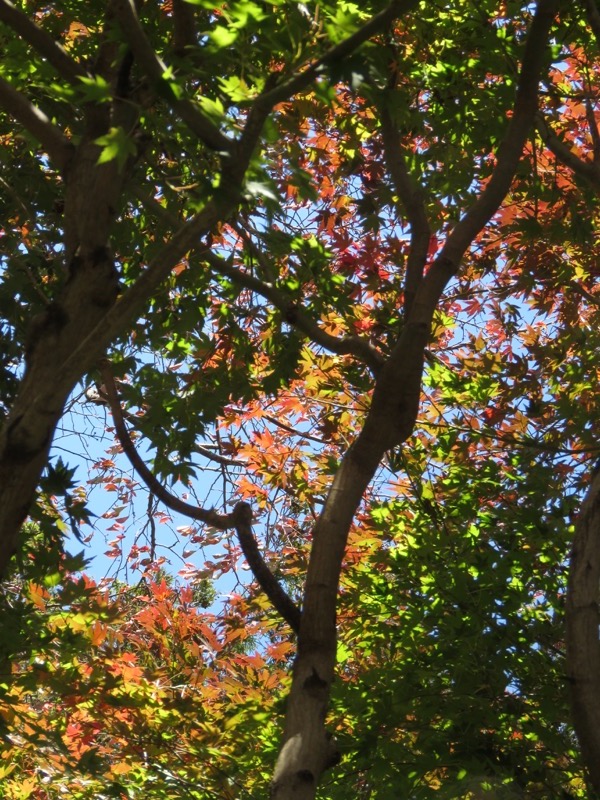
[583, 621]
[90, 288]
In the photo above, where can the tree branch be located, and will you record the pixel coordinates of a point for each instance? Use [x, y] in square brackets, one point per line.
[224, 461]
[509, 155]
[304, 77]
[275, 92]
[155, 68]
[588, 170]
[43, 43]
[350, 345]
[389, 421]
[594, 134]
[240, 518]
[356, 346]
[37, 124]
[97, 395]
[184, 26]
[593, 16]
[411, 197]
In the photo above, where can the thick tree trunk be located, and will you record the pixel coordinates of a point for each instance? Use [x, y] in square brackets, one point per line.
[583, 621]
[308, 750]
[90, 289]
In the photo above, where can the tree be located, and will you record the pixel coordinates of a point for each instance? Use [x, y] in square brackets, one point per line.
[287, 203]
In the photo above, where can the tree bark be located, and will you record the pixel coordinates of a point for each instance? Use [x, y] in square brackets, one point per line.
[307, 750]
[90, 288]
[583, 620]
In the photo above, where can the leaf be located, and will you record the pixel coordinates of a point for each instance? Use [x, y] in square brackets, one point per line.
[116, 145]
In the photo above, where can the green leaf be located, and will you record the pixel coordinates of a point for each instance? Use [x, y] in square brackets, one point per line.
[116, 144]
[223, 36]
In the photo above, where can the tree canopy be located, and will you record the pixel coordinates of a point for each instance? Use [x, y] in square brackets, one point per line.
[342, 261]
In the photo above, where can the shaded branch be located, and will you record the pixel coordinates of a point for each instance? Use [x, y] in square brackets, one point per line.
[155, 68]
[594, 134]
[593, 17]
[275, 92]
[509, 155]
[349, 345]
[588, 170]
[583, 646]
[303, 78]
[356, 346]
[152, 205]
[133, 298]
[240, 518]
[410, 195]
[581, 290]
[184, 26]
[43, 43]
[54, 142]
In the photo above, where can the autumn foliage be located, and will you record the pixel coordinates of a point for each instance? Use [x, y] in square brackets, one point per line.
[326, 275]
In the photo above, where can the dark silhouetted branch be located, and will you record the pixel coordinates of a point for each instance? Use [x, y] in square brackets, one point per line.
[355, 346]
[240, 518]
[155, 68]
[588, 170]
[37, 124]
[41, 41]
[305, 76]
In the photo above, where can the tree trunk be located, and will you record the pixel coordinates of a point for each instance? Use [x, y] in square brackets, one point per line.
[583, 620]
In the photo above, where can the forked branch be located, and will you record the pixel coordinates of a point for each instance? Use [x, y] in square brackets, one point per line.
[508, 157]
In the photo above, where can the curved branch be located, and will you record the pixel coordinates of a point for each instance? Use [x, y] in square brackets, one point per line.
[43, 43]
[588, 170]
[155, 68]
[356, 346]
[304, 77]
[349, 345]
[240, 518]
[37, 124]
[97, 396]
[509, 155]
